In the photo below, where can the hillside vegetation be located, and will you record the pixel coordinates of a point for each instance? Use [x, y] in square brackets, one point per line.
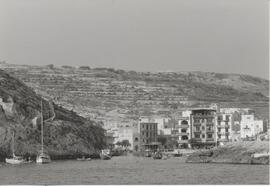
[118, 96]
[68, 134]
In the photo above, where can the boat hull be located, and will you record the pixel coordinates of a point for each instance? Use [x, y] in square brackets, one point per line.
[105, 157]
[14, 161]
[43, 159]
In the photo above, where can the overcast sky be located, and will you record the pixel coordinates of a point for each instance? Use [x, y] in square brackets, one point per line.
[228, 36]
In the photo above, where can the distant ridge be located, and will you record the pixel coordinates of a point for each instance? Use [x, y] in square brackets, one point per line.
[97, 92]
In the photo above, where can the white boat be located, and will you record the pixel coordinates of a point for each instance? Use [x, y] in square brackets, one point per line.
[105, 154]
[15, 159]
[42, 157]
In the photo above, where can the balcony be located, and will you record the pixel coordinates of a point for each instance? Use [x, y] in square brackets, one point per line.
[203, 116]
[197, 131]
[183, 133]
[223, 126]
[210, 131]
[182, 141]
[184, 126]
[223, 133]
[210, 139]
[197, 139]
[196, 124]
[209, 124]
[223, 140]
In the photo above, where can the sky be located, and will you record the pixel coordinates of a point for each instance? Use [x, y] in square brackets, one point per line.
[229, 36]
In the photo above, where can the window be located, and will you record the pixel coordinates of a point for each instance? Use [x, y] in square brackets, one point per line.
[203, 128]
[228, 117]
[203, 136]
[197, 135]
[219, 130]
[184, 130]
[136, 139]
[197, 128]
[219, 136]
[209, 136]
[226, 130]
[146, 127]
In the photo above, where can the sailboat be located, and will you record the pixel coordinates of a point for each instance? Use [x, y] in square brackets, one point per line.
[42, 157]
[15, 159]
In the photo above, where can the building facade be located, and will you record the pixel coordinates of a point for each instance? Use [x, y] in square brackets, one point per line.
[203, 131]
[148, 135]
[250, 127]
[224, 127]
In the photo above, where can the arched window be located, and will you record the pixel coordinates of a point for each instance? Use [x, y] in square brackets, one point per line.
[184, 122]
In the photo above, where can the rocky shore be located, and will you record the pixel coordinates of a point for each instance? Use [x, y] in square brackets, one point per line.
[235, 152]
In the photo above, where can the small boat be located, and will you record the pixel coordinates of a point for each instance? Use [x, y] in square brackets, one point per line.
[15, 159]
[148, 153]
[42, 157]
[157, 155]
[105, 154]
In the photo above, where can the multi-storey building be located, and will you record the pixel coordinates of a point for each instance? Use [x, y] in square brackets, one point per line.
[224, 127]
[184, 131]
[148, 135]
[202, 128]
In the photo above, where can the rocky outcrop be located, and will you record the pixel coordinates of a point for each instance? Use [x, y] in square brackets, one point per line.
[237, 152]
[66, 134]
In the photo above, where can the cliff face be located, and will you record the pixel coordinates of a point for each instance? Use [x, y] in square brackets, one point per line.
[68, 134]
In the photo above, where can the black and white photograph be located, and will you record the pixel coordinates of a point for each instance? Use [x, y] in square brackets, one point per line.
[134, 92]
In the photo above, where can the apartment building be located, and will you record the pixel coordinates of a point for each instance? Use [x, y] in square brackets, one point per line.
[224, 127]
[148, 134]
[202, 128]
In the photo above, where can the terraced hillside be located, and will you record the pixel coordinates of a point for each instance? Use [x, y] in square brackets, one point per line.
[117, 96]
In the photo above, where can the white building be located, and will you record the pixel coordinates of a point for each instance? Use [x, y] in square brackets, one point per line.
[126, 133]
[249, 126]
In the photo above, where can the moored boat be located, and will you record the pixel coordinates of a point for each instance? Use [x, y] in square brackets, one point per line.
[105, 154]
[15, 159]
[42, 157]
[147, 153]
[157, 155]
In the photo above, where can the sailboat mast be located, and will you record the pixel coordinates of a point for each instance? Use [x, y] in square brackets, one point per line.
[12, 145]
[41, 117]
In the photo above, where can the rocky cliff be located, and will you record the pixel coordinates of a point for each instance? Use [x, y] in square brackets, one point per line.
[66, 134]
